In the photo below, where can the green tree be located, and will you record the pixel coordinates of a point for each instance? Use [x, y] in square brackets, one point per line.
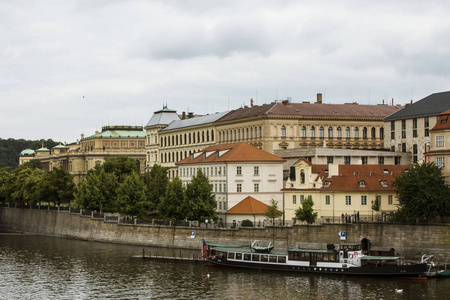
[172, 205]
[200, 201]
[121, 166]
[60, 186]
[33, 191]
[97, 191]
[306, 211]
[33, 164]
[156, 181]
[5, 179]
[131, 198]
[272, 211]
[422, 193]
[376, 205]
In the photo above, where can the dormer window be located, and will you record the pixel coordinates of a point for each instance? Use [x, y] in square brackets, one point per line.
[327, 183]
[383, 183]
[362, 183]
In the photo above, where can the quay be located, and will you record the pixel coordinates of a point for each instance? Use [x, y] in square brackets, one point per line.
[162, 257]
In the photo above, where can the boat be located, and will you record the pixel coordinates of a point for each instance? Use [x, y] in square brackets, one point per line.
[348, 259]
[261, 249]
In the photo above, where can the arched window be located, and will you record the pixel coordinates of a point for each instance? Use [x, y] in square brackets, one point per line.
[190, 138]
[161, 141]
[373, 132]
[260, 131]
[313, 131]
[356, 132]
[251, 132]
[256, 132]
[283, 131]
[339, 132]
[302, 177]
[176, 140]
[185, 140]
[212, 135]
[198, 137]
[365, 133]
[203, 136]
[330, 132]
[381, 133]
[321, 132]
[207, 136]
[303, 131]
[239, 134]
[247, 134]
[173, 140]
[347, 132]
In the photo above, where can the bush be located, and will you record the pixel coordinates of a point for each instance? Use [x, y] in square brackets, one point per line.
[247, 223]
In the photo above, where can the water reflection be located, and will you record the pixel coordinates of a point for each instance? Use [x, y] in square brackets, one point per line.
[35, 267]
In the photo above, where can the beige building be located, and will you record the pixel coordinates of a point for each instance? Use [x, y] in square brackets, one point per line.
[438, 150]
[341, 189]
[26, 155]
[78, 158]
[408, 130]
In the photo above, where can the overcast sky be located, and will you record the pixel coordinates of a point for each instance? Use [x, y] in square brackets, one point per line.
[71, 67]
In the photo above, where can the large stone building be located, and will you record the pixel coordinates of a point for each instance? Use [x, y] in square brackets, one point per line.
[408, 130]
[78, 158]
[439, 147]
[236, 171]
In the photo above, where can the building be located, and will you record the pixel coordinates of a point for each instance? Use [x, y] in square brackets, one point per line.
[408, 130]
[248, 209]
[235, 172]
[26, 155]
[340, 189]
[78, 158]
[438, 150]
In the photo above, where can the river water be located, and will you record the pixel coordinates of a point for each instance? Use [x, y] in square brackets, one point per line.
[39, 267]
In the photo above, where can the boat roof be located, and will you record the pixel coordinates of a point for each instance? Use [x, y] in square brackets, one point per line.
[248, 250]
[226, 245]
[368, 257]
[312, 250]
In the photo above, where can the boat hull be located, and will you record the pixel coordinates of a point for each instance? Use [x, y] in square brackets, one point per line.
[414, 270]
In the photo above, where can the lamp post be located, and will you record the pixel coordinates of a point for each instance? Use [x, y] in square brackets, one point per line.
[372, 210]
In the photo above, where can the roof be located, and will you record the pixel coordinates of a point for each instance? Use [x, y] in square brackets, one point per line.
[60, 146]
[443, 122]
[248, 206]
[163, 116]
[42, 149]
[314, 110]
[197, 121]
[238, 152]
[27, 152]
[118, 134]
[431, 105]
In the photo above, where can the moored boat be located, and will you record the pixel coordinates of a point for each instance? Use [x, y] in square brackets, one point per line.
[347, 260]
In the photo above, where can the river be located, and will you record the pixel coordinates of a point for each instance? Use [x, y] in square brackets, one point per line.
[40, 267]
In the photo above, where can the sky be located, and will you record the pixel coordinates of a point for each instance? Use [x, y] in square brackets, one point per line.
[70, 67]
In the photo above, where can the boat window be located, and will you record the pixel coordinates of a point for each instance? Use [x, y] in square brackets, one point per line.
[273, 258]
[247, 256]
[255, 257]
[282, 259]
[264, 258]
[239, 256]
[230, 255]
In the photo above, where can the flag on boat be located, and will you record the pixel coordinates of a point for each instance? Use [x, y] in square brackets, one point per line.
[204, 248]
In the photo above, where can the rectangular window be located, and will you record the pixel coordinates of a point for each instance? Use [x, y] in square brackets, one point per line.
[414, 123]
[302, 198]
[220, 187]
[348, 200]
[255, 170]
[294, 199]
[256, 187]
[398, 160]
[392, 135]
[403, 134]
[363, 200]
[392, 125]
[238, 170]
[415, 133]
[364, 160]
[403, 124]
[403, 147]
[440, 162]
[327, 200]
[239, 188]
[390, 200]
[329, 159]
[439, 141]
[381, 160]
[347, 160]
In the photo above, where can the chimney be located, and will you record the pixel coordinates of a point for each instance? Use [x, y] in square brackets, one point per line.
[392, 101]
[383, 101]
[190, 115]
[319, 98]
[251, 102]
[183, 115]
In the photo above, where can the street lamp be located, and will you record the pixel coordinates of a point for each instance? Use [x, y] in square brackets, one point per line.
[372, 210]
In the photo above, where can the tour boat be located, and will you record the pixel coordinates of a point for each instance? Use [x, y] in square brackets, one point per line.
[348, 260]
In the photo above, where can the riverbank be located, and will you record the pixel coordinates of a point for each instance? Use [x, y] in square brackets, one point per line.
[409, 241]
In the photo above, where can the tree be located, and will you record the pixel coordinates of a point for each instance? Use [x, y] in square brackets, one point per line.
[131, 199]
[97, 191]
[376, 205]
[272, 211]
[422, 193]
[121, 166]
[200, 201]
[156, 181]
[306, 211]
[60, 186]
[5, 179]
[33, 164]
[172, 205]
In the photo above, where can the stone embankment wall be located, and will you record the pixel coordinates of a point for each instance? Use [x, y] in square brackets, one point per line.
[410, 241]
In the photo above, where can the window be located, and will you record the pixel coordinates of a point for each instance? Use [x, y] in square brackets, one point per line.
[381, 133]
[329, 159]
[390, 200]
[403, 124]
[384, 183]
[238, 170]
[392, 125]
[302, 177]
[356, 132]
[313, 131]
[302, 198]
[426, 121]
[381, 160]
[294, 199]
[403, 147]
[330, 132]
[339, 132]
[414, 123]
[327, 200]
[362, 183]
[321, 132]
[283, 131]
[256, 187]
[439, 141]
[303, 131]
[398, 160]
[440, 162]
[363, 200]
[348, 200]
[365, 133]
[347, 132]
[347, 160]
[364, 160]
[239, 188]
[255, 170]
[415, 153]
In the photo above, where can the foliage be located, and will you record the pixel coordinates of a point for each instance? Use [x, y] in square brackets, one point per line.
[10, 149]
[247, 223]
[200, 201]
[376, 205]
[306, 211]
[131, 199]
[172, 205]
[120, 165]
[5, 178]
[422, 193]
[34, 164]
[272, 211]
[97, 191]
[156, 181]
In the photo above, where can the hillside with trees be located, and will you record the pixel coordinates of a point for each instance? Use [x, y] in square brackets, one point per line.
[10, 150]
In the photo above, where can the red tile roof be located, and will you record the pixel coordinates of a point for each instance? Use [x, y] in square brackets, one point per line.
[238, 152]
[248, 206]
[443, 121]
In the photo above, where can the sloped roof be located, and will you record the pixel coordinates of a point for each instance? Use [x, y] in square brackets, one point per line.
[443, 121]
[197, 121]
[27, 152]
[248, 206]
[163, 116]
[313, 110]
[238, 152]
[119, 134]
[431, 105]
